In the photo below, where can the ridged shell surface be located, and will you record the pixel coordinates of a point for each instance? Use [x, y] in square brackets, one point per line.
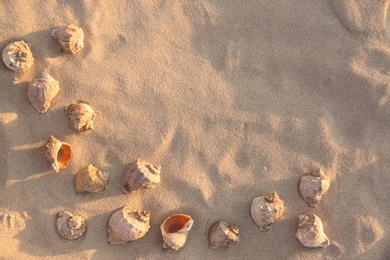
[18, 56]
[81, 116]
[70, 37]
[223, 235]
[310, 232]
[175, 230]
[70, 226]
[57, 153]
[266, 209]
[313, 185]
[90, 179]
[140, 174]
[42, 91]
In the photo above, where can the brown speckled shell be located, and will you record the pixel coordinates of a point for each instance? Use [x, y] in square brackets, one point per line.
[70, 37]
[140, 174]
[266, 209]
[81, 116]
[57, 153]
[223, 235]
[313, 185]
[18, 56]
[175, 230]
[310, 232]
[41, 92]
[90, 179]
[70, 226]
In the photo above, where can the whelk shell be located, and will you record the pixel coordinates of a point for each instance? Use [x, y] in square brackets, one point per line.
[18, 56]
[266, 209]
[127, 225]
[81, 116]
[42, 91]
[140, 174]
[313, 185]
[311, 232]
[70, 37]
[175, 230]
[57, 153]
[223, 235]
[70, 226]
[90, 179]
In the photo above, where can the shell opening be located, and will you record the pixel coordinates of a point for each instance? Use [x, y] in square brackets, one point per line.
[64, 155]
[175, 223]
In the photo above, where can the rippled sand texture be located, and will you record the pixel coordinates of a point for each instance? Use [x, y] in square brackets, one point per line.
[235, 99]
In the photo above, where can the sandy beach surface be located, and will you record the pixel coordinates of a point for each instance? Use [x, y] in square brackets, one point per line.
[235, 99]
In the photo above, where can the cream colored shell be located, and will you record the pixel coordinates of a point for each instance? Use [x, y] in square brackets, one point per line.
[41, 92]
[266, 209]
[140, 174]
[70, 226]
[223, 235]
[18, 56]
[81, 116]
[90, 179]
[70, 37]
[310, 232]
[57, 153]
[175, 230]
[312, 186]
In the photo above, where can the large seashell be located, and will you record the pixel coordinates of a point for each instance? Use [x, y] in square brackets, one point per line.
[57, 153]
[127, 225]
[223, 235]
[70, 37]
[266, 209]
[175, 230]
[18, 56]
[311, 232]
[313, 185]
[140, 174]
[81, 116]
[90, 179]
[70, 226]
[41, 92]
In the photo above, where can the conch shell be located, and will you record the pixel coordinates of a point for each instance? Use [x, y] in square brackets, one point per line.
[70, 226]
[90, 179]
[311, 232]
[175, 230]
[81, 116]
[223, 235]
[266, 209]
[140, 174]
[70, 37]
[127, 225]
[41, 92]
[313, 186]
[57, 153]
[18, 56]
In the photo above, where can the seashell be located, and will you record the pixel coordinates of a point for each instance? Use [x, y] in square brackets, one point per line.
[90, 179]
[18, 56]
[57, 153]
[311, 232]
[140, 174]
[266, 209]
[127, 225]
[41, 92]
[175, 230]
[223, 235]
[70, 37]
[70, 226]
[313, 185]
[81, 116]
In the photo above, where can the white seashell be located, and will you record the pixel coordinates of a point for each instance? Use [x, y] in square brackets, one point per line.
[127, 225]
[313, 185]
[70, 226]
[311, 232]
[42, 91]
[175, 230]
[140, 174]
[266, 209]
[70, 37]
[223, 235]
[90, 179]
[57, 153]
[81, 116]
[18, 56]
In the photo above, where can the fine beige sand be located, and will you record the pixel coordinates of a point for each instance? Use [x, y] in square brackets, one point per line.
[235, 99]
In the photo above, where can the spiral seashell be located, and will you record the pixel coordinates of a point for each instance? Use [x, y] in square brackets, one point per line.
[70, 226]
[140, 174]
[313, 185]
[90, 179]
[81, 116]
[41, 92]
[266, 209]
[18, 56]
[127, 225]
[223, 235]
[311, 232]
[175, 230]
[70, 37]
[57, 153]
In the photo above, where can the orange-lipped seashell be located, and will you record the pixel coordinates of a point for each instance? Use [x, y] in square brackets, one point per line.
[57, 153]
[175, 230]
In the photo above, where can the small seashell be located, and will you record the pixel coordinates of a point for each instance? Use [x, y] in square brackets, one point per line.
[90, 179]
[70, 226]
[18, 56]
[57, 153]
[140, 174]
[41, 92]
[313, 185]
[266, 209]
[70, 37]
[81, 116]
[223, 235]
[311, 232]
[127, 225]
[175, 230]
